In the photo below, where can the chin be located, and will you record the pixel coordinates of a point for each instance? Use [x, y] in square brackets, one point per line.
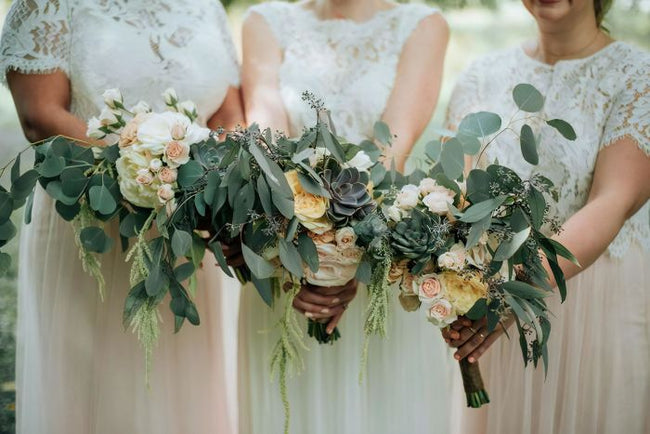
[554, 11]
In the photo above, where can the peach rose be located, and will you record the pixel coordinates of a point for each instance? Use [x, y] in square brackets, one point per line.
[178, 131]
[397, 270]
[129, 135]
[177, 153]
[441, 313]
[428, 287]
[168, 175]
[144, 177]
[165, 193]
[454, 259]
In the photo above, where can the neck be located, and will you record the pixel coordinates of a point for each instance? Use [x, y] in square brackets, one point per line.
[569, 42]
[356, 10]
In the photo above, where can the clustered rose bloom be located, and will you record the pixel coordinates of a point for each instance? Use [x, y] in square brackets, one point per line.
[336, 267]
[408, 197]
[454, 259]
[428, 287]
[309, 209]
[462, 290]
[438, 199]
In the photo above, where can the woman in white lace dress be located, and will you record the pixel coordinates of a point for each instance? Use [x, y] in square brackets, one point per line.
[78, 370]
[367, 60]
[599, 350]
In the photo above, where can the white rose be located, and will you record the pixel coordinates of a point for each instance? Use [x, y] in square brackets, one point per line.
[140, 108]
[169, 95]
[438, 200]
[195, 134]
[454, 259]
[394, 213]
[188, 108]
[113, 98]
[441, 313]
[155, 132]
[335, 269]
[361, 161]
[165, 193]
[144, 177]
[109, 117]
[408, 197]
[94, 132]
[345, 238]
[128, 166]
[427, 185]
[155, 165]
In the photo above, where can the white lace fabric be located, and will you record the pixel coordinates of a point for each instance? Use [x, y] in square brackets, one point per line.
[351, 66]
[605, 97]
[142, 45]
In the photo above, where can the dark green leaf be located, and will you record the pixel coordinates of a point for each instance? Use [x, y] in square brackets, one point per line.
[192, 314]
[15, 169]
[477, 230]
[433, 149]
[217, 251]
[189, 173]
[563, 128]
[111, 153]
[523, 290]
[528, 145]
[177, 306]
[67, 212]
[517, 308]
[52, 166]
[156, 282]
[312, 186]
[331, 144]
[7, 231]
[537, 205]
[181, 243]
[527, 98]
[260, 267]
[478, 311]
[274, 175]
[264, 193]
[94, 239]
[24, 185]
[6, 206]
[283, 204]
[482, 209]
[471, 144]
[452, 158]
[264, 289]
[127, 226]
[308, 251]
[73, 182]
[518, 220]
[364, 272]
[480, 124]
[290, 257]
[101, 199]
[508, 248]
[478, 186]
[563, 251]
[243, 204]
[199, 203]
[184, 271]
[291, 229]
[213, 181]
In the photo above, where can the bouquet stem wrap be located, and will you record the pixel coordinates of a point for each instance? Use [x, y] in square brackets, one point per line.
[318, 331]
[473, 384]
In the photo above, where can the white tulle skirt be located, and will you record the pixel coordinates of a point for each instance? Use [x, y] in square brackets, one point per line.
[80, 372]
[406, 388]
[599, 369]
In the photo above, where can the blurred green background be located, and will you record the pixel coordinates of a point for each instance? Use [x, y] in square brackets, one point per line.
[477, 27]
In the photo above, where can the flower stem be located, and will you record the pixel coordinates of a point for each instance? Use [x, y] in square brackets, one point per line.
[473, 384]
[318, 331]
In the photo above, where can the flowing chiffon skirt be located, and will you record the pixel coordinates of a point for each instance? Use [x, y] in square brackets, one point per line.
[80, 372]
[406, 388]
[599, 361]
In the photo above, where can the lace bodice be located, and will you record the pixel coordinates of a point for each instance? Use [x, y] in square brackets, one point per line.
[140, 46]
[349, 65]
[605, 97]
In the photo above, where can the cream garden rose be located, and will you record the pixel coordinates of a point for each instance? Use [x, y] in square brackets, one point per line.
[454, 259]
[361, 161]
[177, 153]
[128, 168]
[346, 238]
[334, 269]
[439, 199]
[462, 290]
[408, 197]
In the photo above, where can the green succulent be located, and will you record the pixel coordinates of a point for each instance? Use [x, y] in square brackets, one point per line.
[349, 199]
[414, 239]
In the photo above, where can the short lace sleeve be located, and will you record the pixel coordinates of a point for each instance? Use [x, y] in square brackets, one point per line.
[232, 73]
[464, 98]
[35, 38]
[411, 15]
[275, 14]
[630, 112]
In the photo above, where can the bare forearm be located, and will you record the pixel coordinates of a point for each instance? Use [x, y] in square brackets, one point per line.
[56, 121]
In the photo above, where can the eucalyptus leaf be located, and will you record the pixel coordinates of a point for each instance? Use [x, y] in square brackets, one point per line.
[290, 257]
[67, 212]
[308, 252]
[312, 186]
[528, 98]
[217, 251]
[523, 290]
[537, 206]
[382, 133]
[24, 185]
[260, 267]
[52, 166]
[199, 203]
[181, 243]
[452, 158]
[189, 173]
[192, 314]
[264, 288]
[15, 169]
[74, 182]
[364, 272]
[433, 149]
[156, 282]
[5, 263]
[283, 204]
[7, 231]
[6, 206]
[563, 128]
[243, 204]
[528, 145]
[264, 194]
[292, 228]
[331, 143]
[477, 230]
[482, 209]
[184, 271]
[94, 239]
[213, 181]
[478, 186]
[508, 248]
[478, 311]
[480, 124]
[101, 199]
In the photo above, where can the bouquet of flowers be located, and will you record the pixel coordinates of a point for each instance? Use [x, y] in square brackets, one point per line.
[473, 245]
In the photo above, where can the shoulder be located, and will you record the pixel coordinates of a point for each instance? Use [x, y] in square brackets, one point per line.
[270, 11]
[417, 15]
[630, 62]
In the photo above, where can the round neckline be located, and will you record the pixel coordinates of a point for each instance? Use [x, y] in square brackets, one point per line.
[577, 61]
[376, 16]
